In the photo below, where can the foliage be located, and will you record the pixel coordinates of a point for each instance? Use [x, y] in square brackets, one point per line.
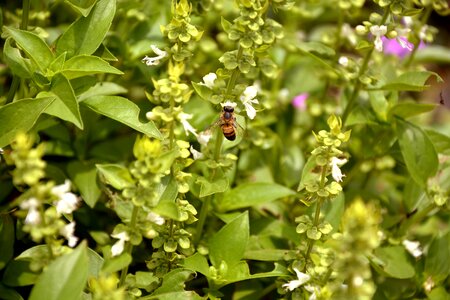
[206, 149]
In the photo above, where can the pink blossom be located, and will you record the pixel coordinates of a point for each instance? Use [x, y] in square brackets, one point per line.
[299, 101]
[399, 46]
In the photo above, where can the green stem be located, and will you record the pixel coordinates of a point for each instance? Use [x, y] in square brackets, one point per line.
[129, 246]
[361, 72]
[415, 219]
[207, 202]
[23, 25]
[235, 74]
[423, 21]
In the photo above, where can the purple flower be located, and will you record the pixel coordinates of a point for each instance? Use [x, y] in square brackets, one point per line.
[399, 46]
[299, 101]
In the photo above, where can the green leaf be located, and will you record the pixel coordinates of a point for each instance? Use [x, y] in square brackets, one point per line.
[65, 106]
[379, 104]
[116, 175]
[122, 110]
[19, 273]
[411, 109]
[433, 54]
[230, 242]
[82, 6]
[7, 239]
[307, 173]
[117, 263]
[440, 141]
[20, 116]
[174, 281]
[19, 65]
[86, 34]
[84, 176]
[9, 294]
[266, 254]
[209, 188]
[334, 210]
[35, 48]
[317, 48]
[84, 65]
[101, 89]
[437, 263]
[64, 278]
[203, 91]
[395, 262]
[226, 25]
[418, 151]
[252, 194]
[197, 263]
[438, 293]
[409, 81]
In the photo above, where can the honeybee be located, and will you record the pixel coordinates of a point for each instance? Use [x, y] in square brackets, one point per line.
[227, 122]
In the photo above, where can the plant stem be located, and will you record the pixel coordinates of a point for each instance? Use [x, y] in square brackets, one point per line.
[423, 21]
[207, 202]
[361, 72]
[129, 246]
[23, 25]
[235, 74]
[414, 219]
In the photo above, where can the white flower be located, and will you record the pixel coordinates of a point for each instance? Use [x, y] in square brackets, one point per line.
[229, 103]
[413, 247]
[335, 171]
[155, 218]
[183, 117]
[68, 232]
[204, 137]
[196, 154]
[153, 61]
[33, 217]
[343, 61]
[118, 247]
[67, 202]
[347, 31]
[302, 278]
[248, 99]
[313, 291]
[378, 31]
[208, 80]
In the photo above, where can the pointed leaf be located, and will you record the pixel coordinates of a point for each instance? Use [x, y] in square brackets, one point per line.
[86, 34]
[411, 109]
[83, 65]
[409, 81]
[82, 6]
[437, 262]
[116, 175]
[84, 176]
[64, 278]
[418, 151]
[252, 194]
[7, 239]
[230, 242]
[65, 106]
[35, 48]
[395, 262]
[121, 110]
[19, 65]
[20, 116]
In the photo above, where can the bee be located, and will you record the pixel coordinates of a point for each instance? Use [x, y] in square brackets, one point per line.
[227, 122]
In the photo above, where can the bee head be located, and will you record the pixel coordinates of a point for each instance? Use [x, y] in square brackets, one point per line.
[228, 109]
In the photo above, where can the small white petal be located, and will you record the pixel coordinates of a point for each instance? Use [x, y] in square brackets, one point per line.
[229, 103]
[208, 80]
[343, 61]
[413, 247]
[155, 218]
[158, 51]
[33, 217]
[302, 278]
[117, 248]
[204, 137]
[335, 170]
[61, 189]
[196, 154]
[68, 232]
[183, 117]
[251, 111]
[153, 61]
[249, 93]
[67, 204]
